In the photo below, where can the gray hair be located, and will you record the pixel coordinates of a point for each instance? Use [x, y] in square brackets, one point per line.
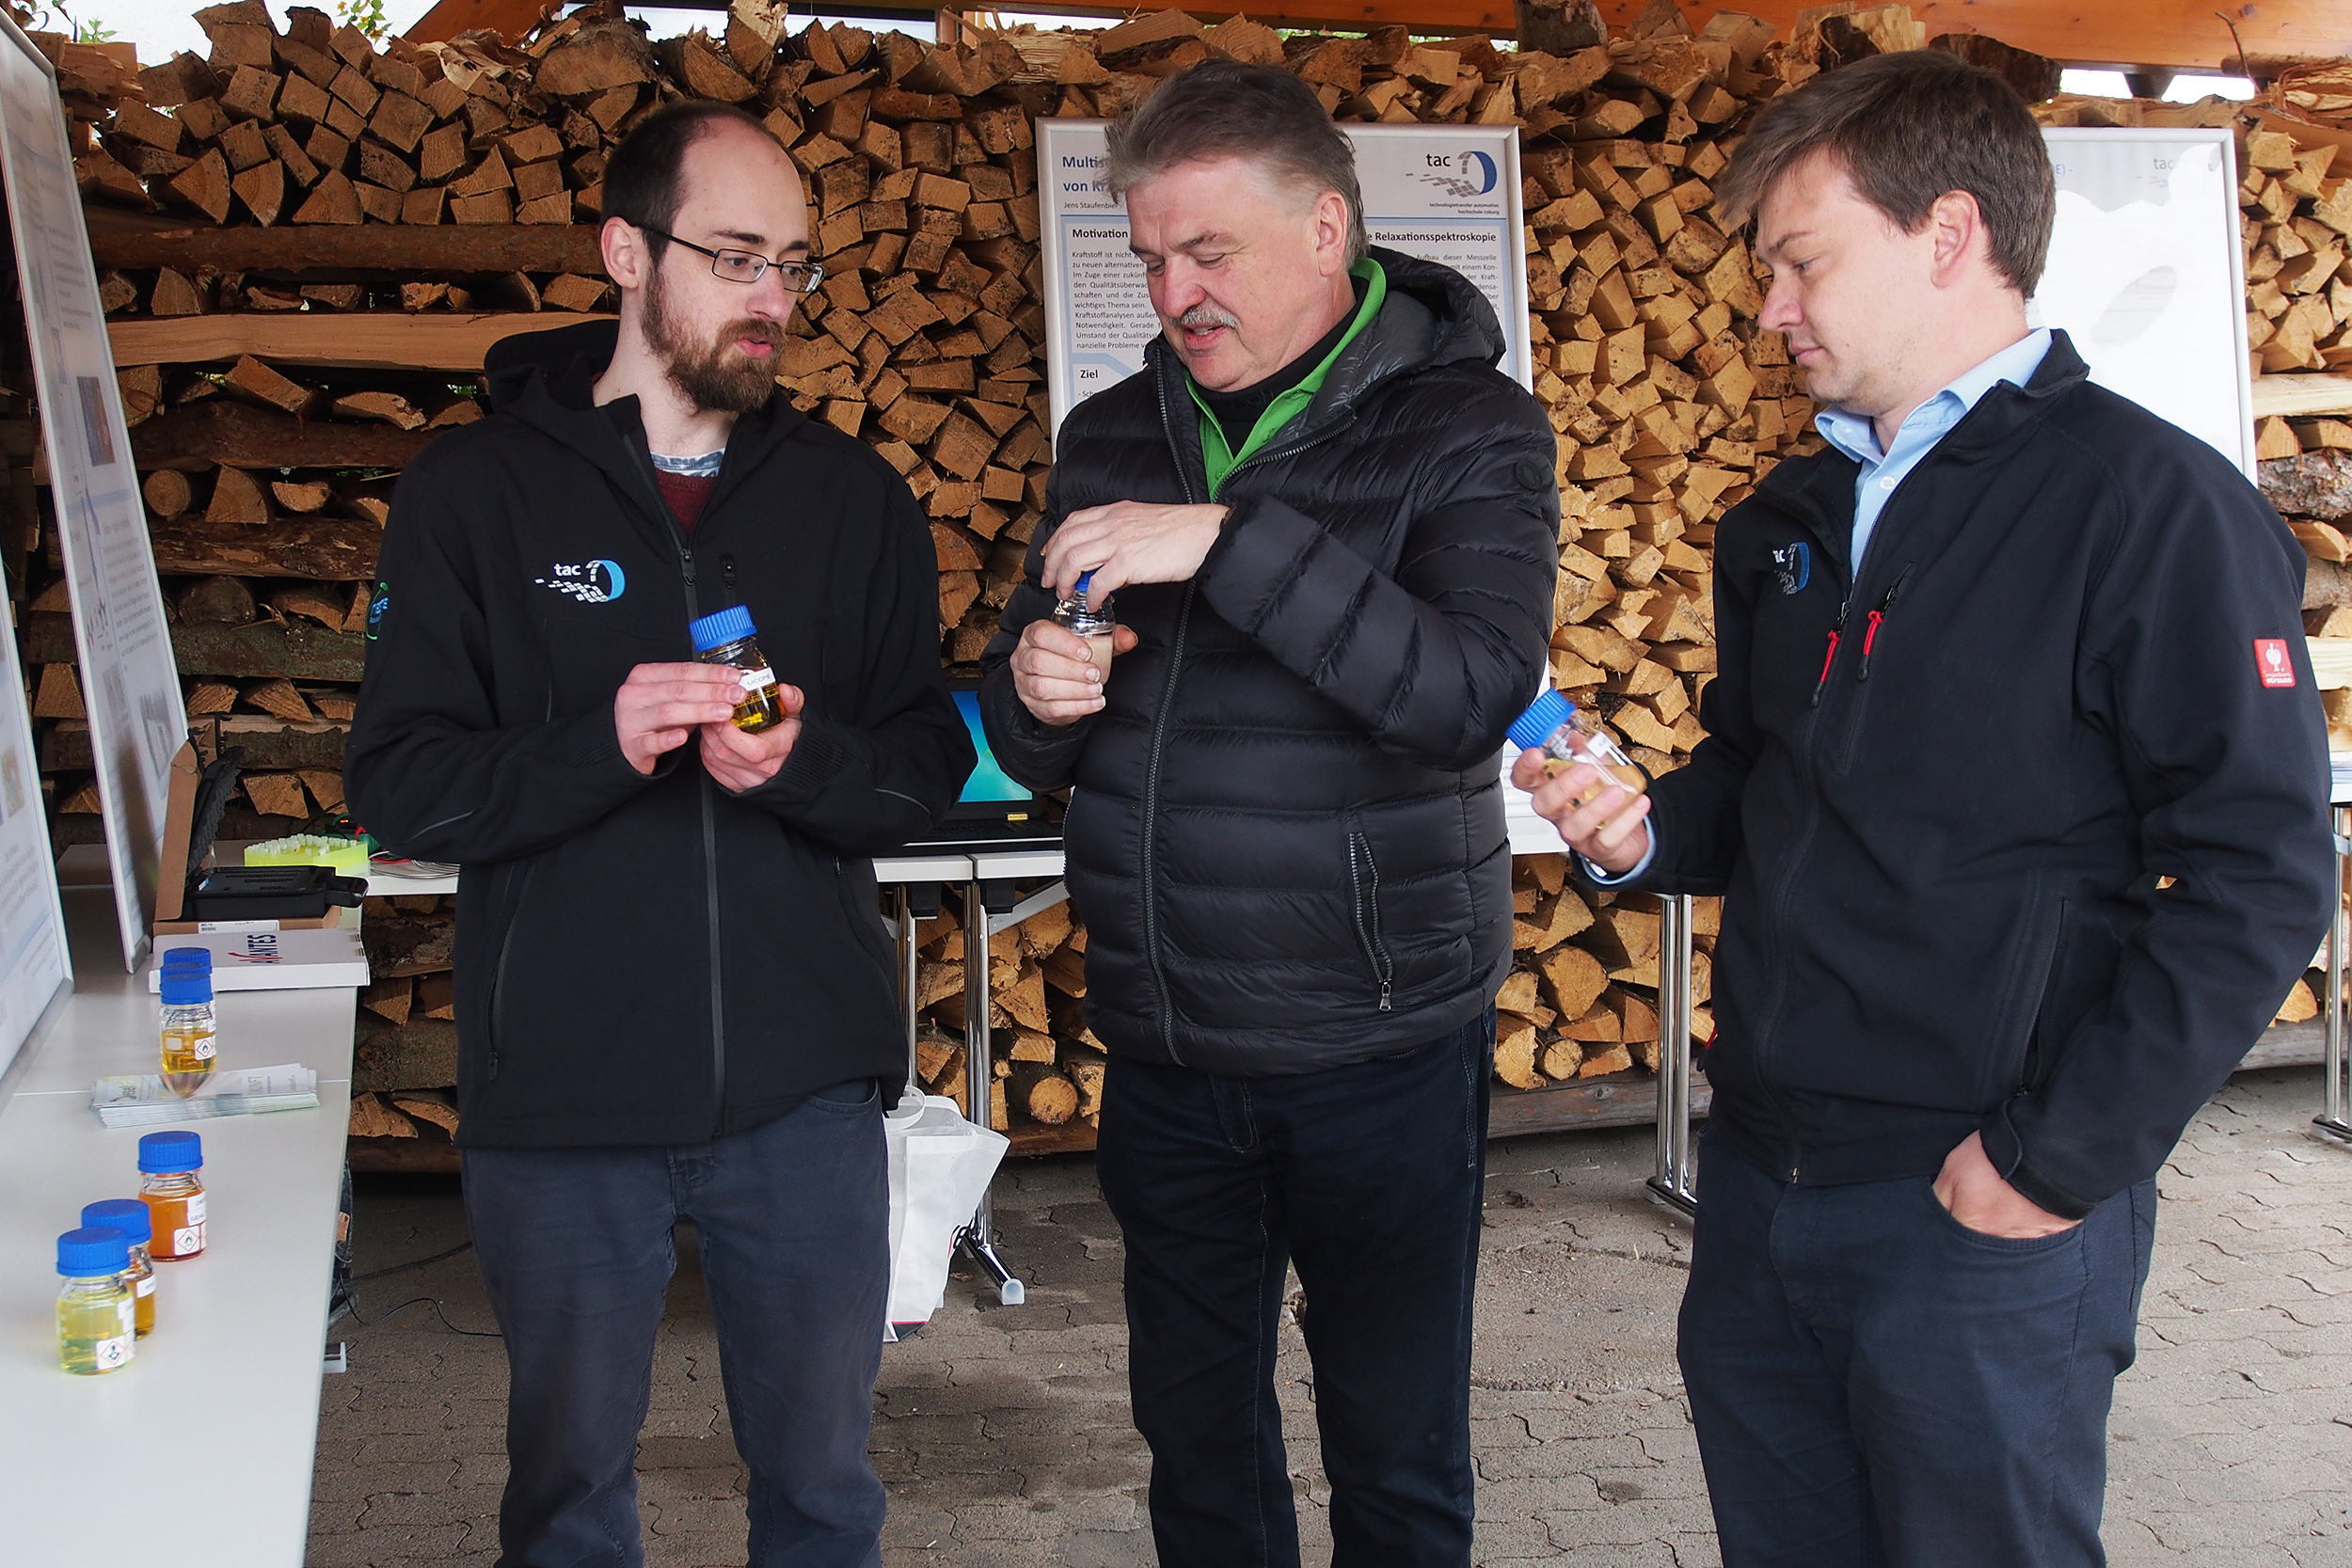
[1226, 109]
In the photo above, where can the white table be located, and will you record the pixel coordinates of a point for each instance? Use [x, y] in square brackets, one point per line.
[233, 1365]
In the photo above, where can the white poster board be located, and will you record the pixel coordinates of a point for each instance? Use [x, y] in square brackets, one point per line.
[2146, 276]
[130, 685]
[36, 957]
[1444, 193]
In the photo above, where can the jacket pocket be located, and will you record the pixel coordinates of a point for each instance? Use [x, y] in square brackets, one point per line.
[1363, 886]
[2017, 1054]
[861, 907]
[2040, 1046]
[517, 889]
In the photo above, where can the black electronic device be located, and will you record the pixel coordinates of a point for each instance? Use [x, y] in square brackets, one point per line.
[995, 810]
[271, 893]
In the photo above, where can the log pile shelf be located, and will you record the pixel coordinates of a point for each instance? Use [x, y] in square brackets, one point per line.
[306, 240]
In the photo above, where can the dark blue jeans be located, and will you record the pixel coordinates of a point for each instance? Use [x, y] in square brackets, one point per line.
[575, 1245]
[1368, 1178]
[1874, 1384]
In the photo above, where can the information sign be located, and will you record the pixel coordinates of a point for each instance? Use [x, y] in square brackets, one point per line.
[2146, 276]
[129, 685]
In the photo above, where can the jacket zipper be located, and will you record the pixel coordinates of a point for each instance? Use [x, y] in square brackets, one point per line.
[1375, 949]
[710, 901]
[1159, 726]
[1151, 768]
[710, 830]
[1878, 618]
[1835, 632]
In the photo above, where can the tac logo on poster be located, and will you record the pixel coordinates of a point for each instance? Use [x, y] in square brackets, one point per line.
[1465, 175]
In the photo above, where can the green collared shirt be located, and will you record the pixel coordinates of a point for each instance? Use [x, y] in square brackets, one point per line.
[1221, 459]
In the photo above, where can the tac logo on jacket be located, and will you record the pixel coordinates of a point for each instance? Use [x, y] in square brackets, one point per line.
[2273, 663]
[1792, 566]
[589, 581]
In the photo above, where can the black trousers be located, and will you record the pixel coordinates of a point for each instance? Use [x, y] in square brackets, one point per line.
[575, 1245]
[1368, 1178]
[1874, 1384]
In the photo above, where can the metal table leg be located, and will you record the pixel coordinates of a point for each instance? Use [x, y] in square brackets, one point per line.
[977, 1241]
[1673, 1183]
[2335, 1121]
[917, 901]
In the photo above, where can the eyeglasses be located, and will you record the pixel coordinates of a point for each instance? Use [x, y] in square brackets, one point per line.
[749, 266]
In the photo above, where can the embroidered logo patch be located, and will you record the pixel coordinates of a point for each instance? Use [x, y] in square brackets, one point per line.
[378, 602]
[1792, 565]
[589, 581]
[2273, 663]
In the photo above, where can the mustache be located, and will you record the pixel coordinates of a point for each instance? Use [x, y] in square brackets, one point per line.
[1208, 316]
[757, 330]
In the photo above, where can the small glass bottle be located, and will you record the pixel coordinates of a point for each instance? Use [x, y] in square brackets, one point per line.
[725, 637]
[129, 1216]
[1566, 735]
[97, 1324]
[1095, 624]
[172, 1188]
[189, 1042]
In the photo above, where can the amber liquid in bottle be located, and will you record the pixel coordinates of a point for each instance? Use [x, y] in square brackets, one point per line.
[179, 1218]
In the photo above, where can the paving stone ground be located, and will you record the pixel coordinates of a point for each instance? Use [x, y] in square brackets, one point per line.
[1003, 1432]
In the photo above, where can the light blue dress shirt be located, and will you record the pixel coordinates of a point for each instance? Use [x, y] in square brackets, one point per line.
[1882, 469]
[1857, 435]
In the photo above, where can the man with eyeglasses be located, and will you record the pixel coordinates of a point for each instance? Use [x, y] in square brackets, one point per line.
[675, 1000]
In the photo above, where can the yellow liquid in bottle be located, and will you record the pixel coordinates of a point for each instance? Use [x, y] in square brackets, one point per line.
[187, 1060]
[96, 1331]
[758, 710]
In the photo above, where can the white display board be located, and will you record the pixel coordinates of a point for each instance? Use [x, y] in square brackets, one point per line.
[2147, 278]
[36, 957]
[1444, 193]
[129, 685]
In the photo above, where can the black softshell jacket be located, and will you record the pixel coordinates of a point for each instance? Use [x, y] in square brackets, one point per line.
[1286, 837]
[1939, 799]
[649, 961]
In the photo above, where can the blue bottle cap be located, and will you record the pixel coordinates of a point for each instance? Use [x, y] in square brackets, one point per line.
[169, 1153]
[93, 1250]
[127, 1215]
[183, 987]
[721, 628]
[1084, 578]
[188, 957]
[1546, 713]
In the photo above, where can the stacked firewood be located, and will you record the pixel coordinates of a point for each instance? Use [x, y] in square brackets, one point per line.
[1048, 1066]
[450, 190]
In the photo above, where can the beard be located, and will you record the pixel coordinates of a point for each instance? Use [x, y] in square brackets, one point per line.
[716, 375]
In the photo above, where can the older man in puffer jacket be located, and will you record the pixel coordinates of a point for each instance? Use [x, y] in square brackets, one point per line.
[1330, 526]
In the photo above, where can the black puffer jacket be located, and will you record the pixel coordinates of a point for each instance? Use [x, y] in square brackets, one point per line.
[1287, 836]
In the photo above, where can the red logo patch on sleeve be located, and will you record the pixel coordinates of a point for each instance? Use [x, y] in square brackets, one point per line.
[2273, 663]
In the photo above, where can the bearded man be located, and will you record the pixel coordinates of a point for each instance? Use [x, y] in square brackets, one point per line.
[674, 997]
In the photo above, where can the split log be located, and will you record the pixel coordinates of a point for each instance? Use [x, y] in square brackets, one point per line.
[372, 1118]
[61, 694]
[237, 497]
